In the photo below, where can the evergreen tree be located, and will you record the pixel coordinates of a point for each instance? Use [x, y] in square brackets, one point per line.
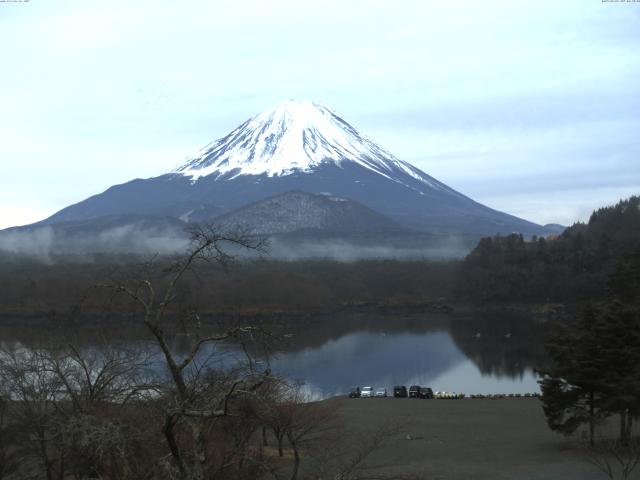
[624, 282]
[595, 371]
[571, 390]
[569, 267]
[619, 333]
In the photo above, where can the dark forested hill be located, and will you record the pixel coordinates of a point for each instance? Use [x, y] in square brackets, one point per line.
[585, 262]
[572, 266]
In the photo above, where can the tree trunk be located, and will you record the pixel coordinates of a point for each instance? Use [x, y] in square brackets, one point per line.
[296, 459]
[280, 451]
[61, 471]
[199, 450]
[167, 429]
[43, 451]
[264, 437]
[592, 420]
[296, 463]
[623, 428]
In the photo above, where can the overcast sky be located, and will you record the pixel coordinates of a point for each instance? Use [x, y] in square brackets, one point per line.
[530, 107]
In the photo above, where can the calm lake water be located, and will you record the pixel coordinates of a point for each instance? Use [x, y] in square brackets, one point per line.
[379, 360]
[479, 353]
[457, 354]
[469, 353]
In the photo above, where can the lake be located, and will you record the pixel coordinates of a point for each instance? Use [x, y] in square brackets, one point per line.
[472, 353]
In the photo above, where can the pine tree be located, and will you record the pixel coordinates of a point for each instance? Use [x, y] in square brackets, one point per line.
[571, 387]
[619, 333]
[595, 371]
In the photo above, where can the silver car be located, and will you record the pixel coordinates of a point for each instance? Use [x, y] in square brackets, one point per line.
[381, 392]
[366, 392]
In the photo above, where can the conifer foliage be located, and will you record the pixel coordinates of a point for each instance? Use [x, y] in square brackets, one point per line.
[574, 266]
[594, 371]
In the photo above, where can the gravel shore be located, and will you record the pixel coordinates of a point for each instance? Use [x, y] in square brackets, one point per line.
[471, 439]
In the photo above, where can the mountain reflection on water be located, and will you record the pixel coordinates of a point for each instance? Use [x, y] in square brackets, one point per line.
[470, 353]
[492, 353]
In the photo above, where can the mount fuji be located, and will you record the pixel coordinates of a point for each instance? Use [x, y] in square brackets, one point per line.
[298, 147]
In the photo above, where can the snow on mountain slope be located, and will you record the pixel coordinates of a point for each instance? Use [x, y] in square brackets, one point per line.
[296, 211]
[297, 136]
[299, 146]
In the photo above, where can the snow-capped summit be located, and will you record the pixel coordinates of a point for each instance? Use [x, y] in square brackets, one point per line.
[295, 136]
[304, 147]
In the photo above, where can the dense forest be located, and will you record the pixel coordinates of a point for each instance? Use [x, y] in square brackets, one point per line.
[572, 267]
[66, 288]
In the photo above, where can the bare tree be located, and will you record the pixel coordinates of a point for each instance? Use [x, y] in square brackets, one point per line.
[313, 441]
[615, 459]
[271, 412]
[308, 423]
[99, 386]
[167, 411]
[67, 409]
[289, 415]
[191, 402]
[347, 455]
[33, 393]
[8, 460]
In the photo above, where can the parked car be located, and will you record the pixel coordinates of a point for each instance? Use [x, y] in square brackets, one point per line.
[366, 392]
[354, 392]
[425, 392]
[400, 391]
[450, 395]
[381, 392]
[414, 391]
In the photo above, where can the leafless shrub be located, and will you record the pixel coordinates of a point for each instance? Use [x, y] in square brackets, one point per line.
[158, 411]
[615, 460]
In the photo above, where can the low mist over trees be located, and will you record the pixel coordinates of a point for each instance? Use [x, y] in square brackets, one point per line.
[569, 268]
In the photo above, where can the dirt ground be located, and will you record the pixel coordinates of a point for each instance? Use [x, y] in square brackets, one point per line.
[471, 439]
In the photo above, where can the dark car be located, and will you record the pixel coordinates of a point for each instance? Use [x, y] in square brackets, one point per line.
[400, 391]
[354, 392]
[414, 391]
[425, 392]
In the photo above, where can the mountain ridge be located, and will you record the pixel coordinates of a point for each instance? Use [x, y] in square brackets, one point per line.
[297, 211]
[305, 147]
